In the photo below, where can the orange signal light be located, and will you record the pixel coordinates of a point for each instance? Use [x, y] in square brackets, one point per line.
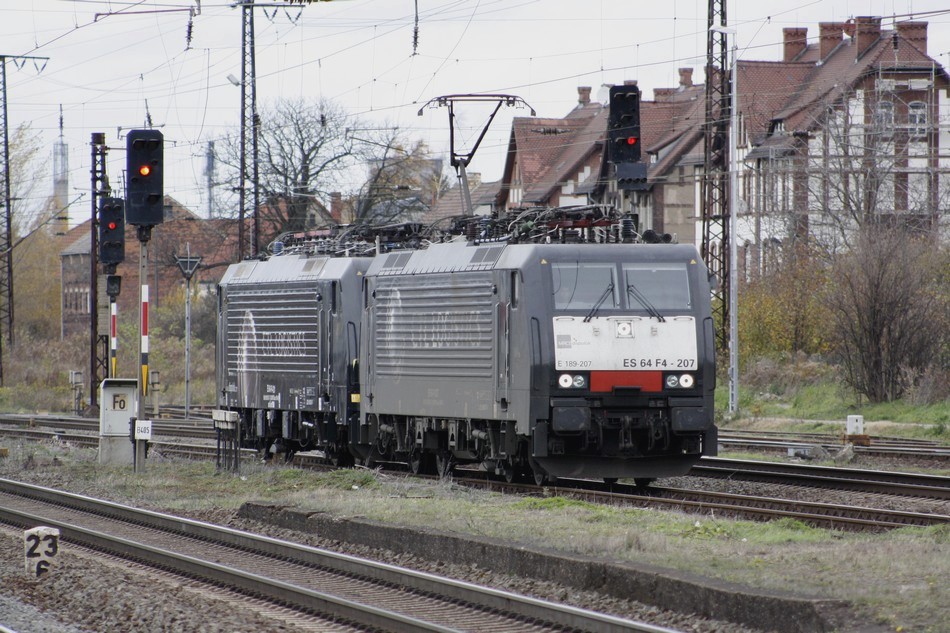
[145, 170]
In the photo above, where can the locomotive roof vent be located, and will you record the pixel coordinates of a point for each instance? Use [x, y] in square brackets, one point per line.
[486, 255]
[314, 266]
[396, 260]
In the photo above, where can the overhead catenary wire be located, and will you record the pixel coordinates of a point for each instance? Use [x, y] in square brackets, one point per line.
[185, 82]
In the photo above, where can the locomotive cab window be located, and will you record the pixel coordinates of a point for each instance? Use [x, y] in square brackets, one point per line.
[584, 285]
[665, 286]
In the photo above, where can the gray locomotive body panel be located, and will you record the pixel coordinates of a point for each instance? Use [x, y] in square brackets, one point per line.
[436, 343]
[286, 329]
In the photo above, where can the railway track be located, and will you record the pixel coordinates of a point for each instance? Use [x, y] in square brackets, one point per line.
[341, 588]
[835, 516]
[921, 451]
[824, 515]
[171, 422]
[742, 506]
[199, 428]
[876, 481]
[825, 439]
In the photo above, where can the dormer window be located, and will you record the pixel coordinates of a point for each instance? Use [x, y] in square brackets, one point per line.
[917, 119]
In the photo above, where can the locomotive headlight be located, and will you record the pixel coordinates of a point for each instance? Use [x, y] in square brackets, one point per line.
[624, 329]
[681, 381]
[570, 381]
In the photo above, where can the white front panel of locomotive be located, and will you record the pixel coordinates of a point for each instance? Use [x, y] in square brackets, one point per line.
[625, 343]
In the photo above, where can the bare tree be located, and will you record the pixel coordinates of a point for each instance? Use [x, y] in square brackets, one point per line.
[863, 186]
[402, 184]
[309, 150]
[305, 152]
[870, 159]
[889, 310]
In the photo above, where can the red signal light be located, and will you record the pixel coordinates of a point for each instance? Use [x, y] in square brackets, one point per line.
[145, 170]
[113, 225]
[631, 140]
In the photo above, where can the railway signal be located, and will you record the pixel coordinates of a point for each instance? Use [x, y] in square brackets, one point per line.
[145, 191]
[111, 231]
[623, 125]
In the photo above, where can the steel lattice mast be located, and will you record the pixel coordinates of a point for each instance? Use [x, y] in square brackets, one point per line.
[6, 226]
[249, 127]
[715, 183]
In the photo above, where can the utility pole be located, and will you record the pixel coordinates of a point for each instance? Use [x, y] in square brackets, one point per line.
[98, 344]
[6, 227]
[188, 265]
[251, 125]
[209, 174]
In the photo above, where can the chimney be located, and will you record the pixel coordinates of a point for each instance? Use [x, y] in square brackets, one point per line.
[475, 178]
[915, 33]
[583, 95]
[686, 77]
[867, 31]
[795, 39]
[336, 206]
[829, 36]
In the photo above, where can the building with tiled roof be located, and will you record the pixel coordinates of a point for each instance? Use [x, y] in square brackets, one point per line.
[483, 194]
[798, 172]
[854, 135]
[550, 160]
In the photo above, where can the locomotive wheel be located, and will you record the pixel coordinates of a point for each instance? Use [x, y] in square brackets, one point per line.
[539, 475]
[643, 482]
[444, 463]
[610, 480]
[419, 462]
[334, 456]
[508, 470]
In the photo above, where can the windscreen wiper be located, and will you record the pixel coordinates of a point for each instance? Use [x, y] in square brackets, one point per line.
[642, 300]
[607, 292]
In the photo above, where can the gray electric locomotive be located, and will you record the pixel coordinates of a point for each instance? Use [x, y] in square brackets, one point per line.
[548, 360]
[287, 345]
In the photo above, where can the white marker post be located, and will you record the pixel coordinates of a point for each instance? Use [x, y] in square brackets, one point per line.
[143, 434]
[40, 547]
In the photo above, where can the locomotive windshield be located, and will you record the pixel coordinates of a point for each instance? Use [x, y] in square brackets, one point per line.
[592, 286]
[583, 285]
[665, 286]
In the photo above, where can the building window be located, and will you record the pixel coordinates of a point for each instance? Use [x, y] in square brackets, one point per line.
[884, 117]
[917, 119]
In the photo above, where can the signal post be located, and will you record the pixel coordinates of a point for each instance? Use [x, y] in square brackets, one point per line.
[144, 209]
[112, 253]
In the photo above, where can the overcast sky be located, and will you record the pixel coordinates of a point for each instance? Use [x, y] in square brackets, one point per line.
[112, 64]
